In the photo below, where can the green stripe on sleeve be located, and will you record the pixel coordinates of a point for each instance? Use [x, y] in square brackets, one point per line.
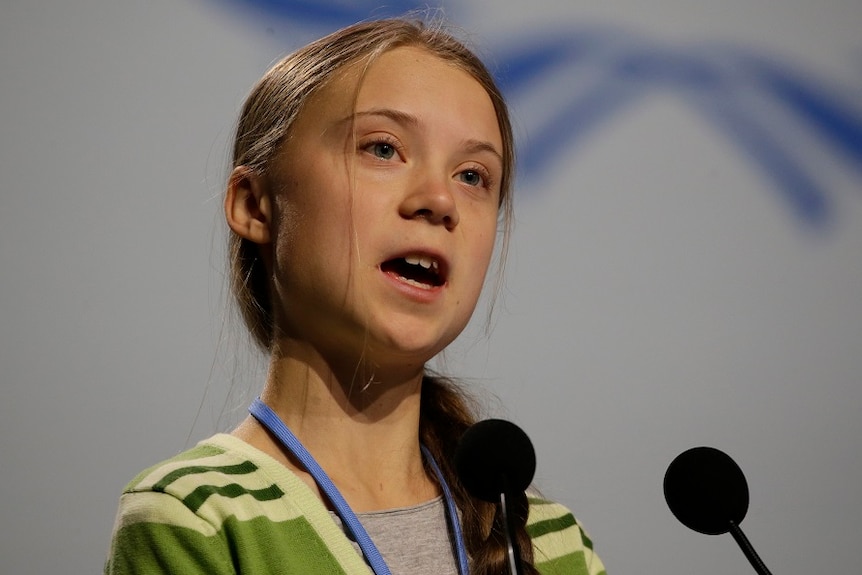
[571, 564]
[198, 452]
[198, 497]
[238, 469]
[258, 546]
[156, 548]
[551, 525]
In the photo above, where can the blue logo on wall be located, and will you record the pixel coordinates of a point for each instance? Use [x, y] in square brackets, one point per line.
[748, 97]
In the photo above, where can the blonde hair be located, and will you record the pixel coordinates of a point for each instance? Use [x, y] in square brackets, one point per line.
[265, 123]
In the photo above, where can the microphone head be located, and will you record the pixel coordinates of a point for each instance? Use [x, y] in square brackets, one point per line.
[494, 457]
[706, 490]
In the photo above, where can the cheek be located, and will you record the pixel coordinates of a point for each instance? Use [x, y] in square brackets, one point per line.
[482, 252]
[315, 212]
[287, 224]
[312, 238]
[368, 219]
[487, 236]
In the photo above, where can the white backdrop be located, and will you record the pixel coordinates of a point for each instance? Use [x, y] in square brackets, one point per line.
[685, 268]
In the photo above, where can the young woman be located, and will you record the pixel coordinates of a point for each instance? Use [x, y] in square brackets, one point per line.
[371, 170]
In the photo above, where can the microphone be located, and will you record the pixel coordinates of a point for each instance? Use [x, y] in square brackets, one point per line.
[706, 490]
[495, 462]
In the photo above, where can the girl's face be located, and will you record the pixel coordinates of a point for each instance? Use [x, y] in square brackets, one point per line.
[386, 210]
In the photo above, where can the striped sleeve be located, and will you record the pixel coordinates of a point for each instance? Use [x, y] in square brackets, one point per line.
[158, 532]
[560, 544]
[213, 511]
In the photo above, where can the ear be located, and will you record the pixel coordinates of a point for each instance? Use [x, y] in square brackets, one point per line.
[247, 206]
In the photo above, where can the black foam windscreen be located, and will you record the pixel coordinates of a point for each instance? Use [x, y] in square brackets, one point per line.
[495, 456]
[706, 490]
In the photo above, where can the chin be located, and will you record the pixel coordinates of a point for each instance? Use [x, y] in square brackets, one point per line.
[413, 349]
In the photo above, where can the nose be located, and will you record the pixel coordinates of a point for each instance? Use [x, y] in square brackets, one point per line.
[431, 200]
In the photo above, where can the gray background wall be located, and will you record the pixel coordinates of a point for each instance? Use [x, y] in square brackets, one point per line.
[666, 287]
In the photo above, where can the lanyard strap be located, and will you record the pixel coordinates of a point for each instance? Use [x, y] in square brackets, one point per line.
[452, 512]
[268, 418]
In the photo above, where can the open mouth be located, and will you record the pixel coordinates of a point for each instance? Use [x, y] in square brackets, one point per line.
[419, 271]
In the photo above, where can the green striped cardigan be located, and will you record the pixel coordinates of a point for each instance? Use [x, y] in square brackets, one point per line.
[224, 507]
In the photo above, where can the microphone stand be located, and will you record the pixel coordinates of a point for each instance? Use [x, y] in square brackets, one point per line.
[748, 549]
[511, 543]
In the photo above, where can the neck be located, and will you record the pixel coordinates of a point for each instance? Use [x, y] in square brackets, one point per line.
[360, 424]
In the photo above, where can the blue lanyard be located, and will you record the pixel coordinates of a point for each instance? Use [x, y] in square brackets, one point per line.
[268, 418]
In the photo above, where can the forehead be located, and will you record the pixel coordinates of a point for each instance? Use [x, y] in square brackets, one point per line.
[413, 80]
[413, 67]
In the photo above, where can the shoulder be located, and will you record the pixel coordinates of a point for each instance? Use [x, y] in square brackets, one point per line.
[211, 462]
[224, 507]
[220, 478]
[560, 543]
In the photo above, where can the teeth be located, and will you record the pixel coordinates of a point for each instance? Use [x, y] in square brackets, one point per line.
[423, 261]
[416, 283]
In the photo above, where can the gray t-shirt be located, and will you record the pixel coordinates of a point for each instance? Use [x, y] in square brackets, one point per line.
[413, 540]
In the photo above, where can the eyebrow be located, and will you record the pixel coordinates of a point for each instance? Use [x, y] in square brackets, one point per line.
[394, 115]
[470, 146]
[477, 146]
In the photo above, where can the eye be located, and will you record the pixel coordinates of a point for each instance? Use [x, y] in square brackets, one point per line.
[382, 150]
[475, 177]
[471, 177]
